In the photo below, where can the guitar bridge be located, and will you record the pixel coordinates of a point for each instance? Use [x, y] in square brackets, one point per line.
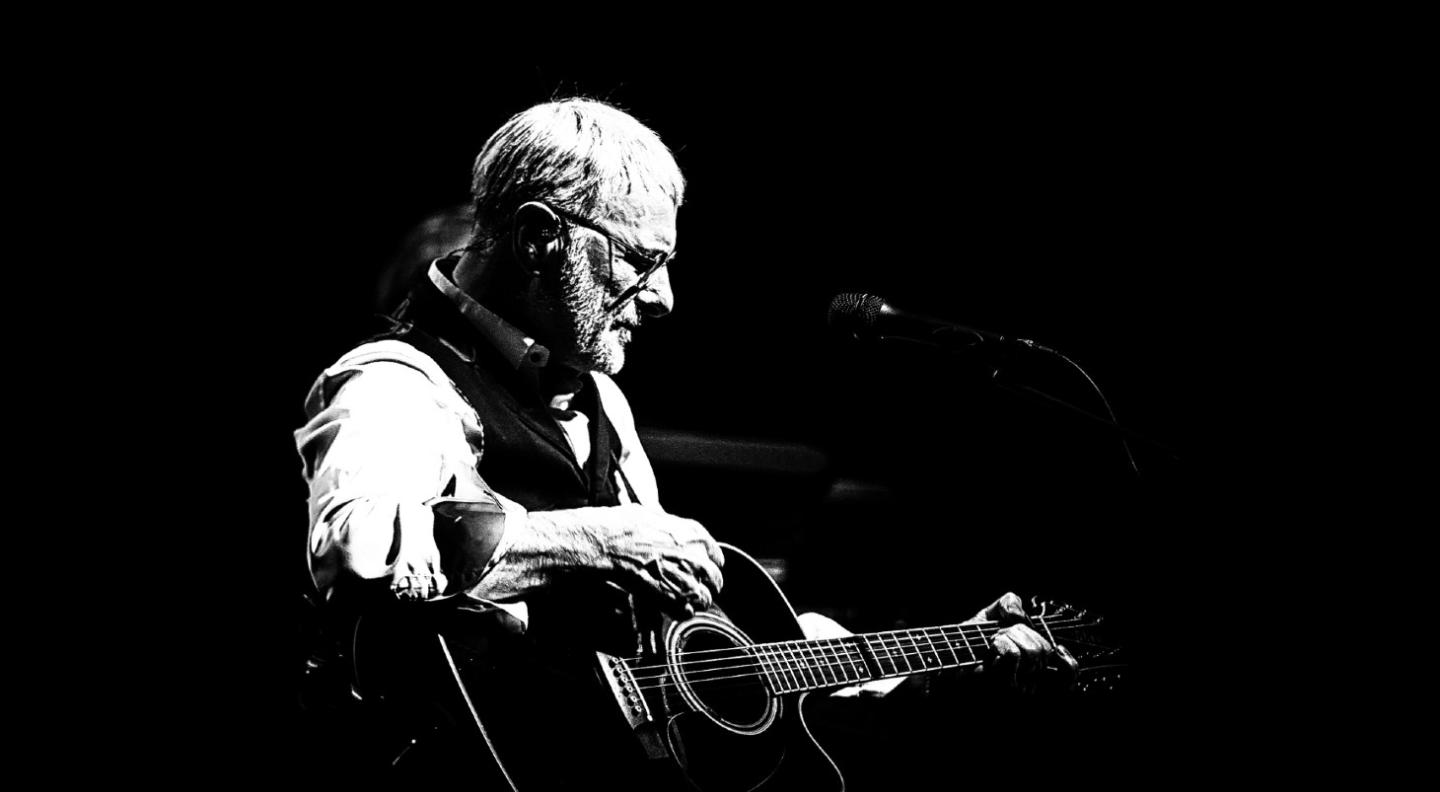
[632, 703]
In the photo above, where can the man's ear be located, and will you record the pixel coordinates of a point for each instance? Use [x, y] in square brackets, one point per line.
[537, 237]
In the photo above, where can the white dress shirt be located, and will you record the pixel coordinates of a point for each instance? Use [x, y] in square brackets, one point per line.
[388, 435]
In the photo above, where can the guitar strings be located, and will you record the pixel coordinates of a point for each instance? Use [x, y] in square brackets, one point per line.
[812, 675]
[793, 659]
[743, 680]
[787, 651]
[974, 628]
[965, 627]
[805, 683]
[808, 668]
[977, 631]
[830, 673]
[802, 681]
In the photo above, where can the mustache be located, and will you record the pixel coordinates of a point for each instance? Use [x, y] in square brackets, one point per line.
[625, 316]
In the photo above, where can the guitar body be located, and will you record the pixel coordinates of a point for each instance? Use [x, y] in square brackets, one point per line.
[681, 707]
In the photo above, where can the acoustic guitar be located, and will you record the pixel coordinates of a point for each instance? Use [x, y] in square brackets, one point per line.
[711, 703]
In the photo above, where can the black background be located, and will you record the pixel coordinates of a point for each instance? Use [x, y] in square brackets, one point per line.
[1113, 205]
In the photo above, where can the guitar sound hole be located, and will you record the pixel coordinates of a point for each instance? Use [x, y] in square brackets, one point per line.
[727, 681]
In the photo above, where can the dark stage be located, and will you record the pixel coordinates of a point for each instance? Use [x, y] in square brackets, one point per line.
[1091, 208]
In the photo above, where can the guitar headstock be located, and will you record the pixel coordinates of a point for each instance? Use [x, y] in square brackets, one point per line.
[1087, 637]
[1057, 609]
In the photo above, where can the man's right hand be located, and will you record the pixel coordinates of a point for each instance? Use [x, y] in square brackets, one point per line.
[672, 557]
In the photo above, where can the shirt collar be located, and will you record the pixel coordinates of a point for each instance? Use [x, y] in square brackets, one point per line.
[520, 350]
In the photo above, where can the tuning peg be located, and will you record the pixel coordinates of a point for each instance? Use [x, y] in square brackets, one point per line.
[1038, 607]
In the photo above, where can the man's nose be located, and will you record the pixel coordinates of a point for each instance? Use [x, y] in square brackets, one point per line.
[656, 299]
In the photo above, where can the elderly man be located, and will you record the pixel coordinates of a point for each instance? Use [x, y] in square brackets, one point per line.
[479, 449]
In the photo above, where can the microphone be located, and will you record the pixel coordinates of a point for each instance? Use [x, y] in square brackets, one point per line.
[869, 316]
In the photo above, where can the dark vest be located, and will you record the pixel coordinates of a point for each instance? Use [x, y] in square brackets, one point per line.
[525, 455]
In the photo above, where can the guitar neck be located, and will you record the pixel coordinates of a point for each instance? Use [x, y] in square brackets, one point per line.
[798, 666]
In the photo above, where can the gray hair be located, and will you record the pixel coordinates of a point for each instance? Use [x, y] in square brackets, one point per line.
[579, 155]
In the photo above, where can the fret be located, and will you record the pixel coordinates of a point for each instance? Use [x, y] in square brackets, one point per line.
[807, 664]
[788, 667]
[893, 651]
[854, 672]
[949, 645]
[899, 651]
[934, 653]
[767, 663]
[807, 676]
[882, 656]
[841, 653]
[832, 668]
[830, 662]
[843, 663]
[913, 656]
[818, 663]
[856, 656]
[968, 647]
[911, 652]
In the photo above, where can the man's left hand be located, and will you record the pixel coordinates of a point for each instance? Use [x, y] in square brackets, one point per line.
[1022, 655]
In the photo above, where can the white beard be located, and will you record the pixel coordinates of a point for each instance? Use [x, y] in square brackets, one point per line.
[599, 338]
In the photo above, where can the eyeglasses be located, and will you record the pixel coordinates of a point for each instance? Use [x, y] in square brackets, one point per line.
[645, 265]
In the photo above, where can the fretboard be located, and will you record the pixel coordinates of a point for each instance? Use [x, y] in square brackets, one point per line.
[795, 666]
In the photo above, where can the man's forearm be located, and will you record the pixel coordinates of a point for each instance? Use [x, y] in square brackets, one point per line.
[640, 547]
[540, 545]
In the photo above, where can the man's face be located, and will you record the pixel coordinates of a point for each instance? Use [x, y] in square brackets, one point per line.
[590, 280]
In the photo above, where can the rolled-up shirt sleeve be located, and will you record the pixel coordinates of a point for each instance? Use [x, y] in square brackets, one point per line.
[389, 443]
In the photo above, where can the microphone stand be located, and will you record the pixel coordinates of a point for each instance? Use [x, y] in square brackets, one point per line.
[967, 344]
[1036, 396]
